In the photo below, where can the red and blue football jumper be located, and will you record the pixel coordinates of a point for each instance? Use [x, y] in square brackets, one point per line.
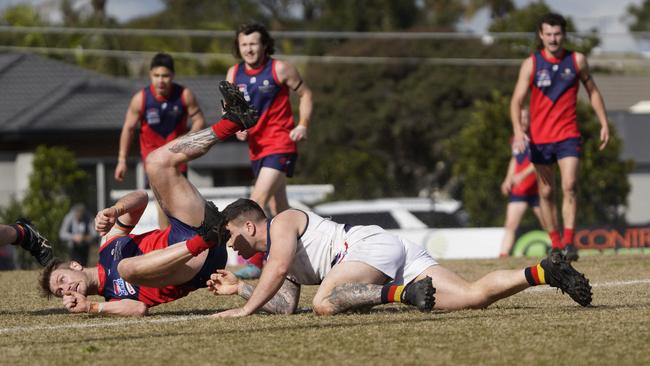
[113, 287]
[262, 88]
[554, 90]
[162, 119]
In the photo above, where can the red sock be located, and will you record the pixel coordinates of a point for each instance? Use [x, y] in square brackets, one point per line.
[555, 240]
[196, 245]
[225, 128]
[567, 237]
[257, 260]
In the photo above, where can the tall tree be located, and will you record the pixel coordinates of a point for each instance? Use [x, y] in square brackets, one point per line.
[640, 15]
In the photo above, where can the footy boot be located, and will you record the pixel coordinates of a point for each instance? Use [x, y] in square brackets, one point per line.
[563, 276]
[420, 294]
[34, 242]
[556, 255]
[213, 228]
[570, 253]
[235, 106]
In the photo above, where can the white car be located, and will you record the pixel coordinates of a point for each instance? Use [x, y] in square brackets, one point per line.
[396, 213]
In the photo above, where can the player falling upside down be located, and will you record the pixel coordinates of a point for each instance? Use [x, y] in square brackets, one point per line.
[136, 272]
[361, 266]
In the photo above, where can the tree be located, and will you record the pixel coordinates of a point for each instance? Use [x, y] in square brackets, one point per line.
[55, 180]
[640, 15]
[483, 151]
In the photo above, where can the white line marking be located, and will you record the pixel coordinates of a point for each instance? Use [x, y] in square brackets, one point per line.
[122, 322]
[175, 319]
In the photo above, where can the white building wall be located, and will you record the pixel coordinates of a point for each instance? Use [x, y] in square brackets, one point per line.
[639, 198]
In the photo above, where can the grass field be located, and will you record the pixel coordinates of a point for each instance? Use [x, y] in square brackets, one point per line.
[539, 326]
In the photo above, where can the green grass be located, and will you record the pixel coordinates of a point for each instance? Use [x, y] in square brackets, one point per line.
[537, 327]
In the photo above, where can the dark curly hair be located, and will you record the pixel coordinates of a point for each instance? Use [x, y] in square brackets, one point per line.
[44, 278]
[267, 41]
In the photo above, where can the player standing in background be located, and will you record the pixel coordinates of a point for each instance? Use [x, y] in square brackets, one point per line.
[552, 74]
[267, 83]
[160, 110]
[520, 185]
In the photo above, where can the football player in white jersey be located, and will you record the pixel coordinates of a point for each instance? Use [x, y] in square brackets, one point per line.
[361, 266]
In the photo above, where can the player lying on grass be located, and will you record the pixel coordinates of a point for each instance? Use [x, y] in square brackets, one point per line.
[361, 266]
[136, 272]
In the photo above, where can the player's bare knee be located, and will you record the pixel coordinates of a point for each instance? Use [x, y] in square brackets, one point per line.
[545, 191]
[569, 188]
[126, 269]
[157, 159]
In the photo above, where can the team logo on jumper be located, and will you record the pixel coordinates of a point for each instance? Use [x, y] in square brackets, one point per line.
[543, 78]
[567, 74]
[266, 87]
[164, 106]
[119, 287]
[253, 80]
[129, 288]
[242, 88]
[153, 118]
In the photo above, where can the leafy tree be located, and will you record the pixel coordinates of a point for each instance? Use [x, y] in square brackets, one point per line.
[525, 20]
[483, 152]
[641, 16]
[53, 185]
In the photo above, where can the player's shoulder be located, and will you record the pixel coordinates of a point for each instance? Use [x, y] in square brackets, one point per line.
[289, 219]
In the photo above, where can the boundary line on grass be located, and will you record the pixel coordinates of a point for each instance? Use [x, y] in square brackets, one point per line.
[182, 318]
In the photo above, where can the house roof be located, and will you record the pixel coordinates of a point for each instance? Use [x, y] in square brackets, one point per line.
[621, 92]
[41, 95]
[45, 97]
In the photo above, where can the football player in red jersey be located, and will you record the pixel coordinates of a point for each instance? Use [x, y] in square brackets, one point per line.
[267, 83]
[553, 74]
[136, 272]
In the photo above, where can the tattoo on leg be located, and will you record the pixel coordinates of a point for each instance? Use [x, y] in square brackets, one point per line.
[161, 202]
[285, 300]
[194, 144]
[354, 295]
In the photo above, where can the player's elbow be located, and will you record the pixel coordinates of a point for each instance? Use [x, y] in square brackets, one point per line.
[140, 309]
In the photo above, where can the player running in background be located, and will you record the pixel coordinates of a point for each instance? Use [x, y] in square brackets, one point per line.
[160, 110]
[553, 74]
[267, 83]
[520, 186]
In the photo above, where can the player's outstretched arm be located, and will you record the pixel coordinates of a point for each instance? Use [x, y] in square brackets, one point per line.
[284, 233]
[126, 136]
[78, 303]
[516, 103]
[285, 300]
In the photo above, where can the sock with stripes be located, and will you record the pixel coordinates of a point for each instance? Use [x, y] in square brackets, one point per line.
[392, 293]
[20, 234]
[535, 275]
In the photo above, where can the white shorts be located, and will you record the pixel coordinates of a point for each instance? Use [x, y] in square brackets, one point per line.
[397, 258]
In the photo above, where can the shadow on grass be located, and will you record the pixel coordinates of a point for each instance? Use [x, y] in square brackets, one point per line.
[40, 312]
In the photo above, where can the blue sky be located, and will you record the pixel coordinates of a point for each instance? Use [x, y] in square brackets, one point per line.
[605, 15]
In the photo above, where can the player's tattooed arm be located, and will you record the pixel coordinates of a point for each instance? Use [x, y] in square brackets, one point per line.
[353, 296]
[285, 300]
[194, 144]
